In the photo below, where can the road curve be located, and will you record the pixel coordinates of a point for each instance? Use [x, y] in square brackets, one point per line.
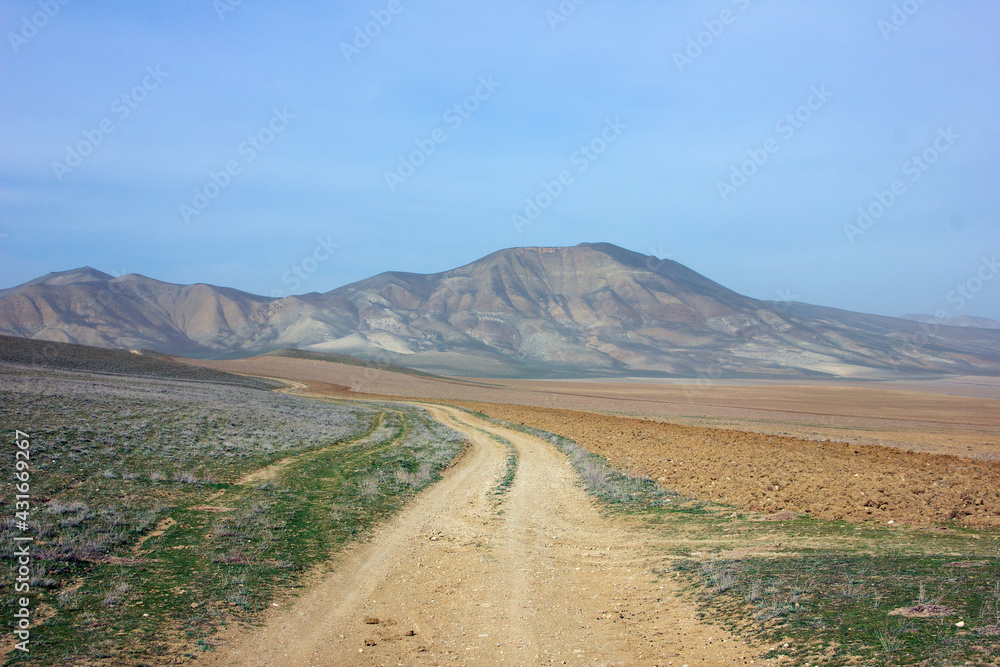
[464, 576]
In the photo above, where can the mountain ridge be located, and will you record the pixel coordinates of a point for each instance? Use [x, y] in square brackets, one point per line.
[590, 309]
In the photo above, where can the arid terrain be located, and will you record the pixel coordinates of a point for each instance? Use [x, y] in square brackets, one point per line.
[480, 574]
[835, 452]
[958, 416]
[373, 515]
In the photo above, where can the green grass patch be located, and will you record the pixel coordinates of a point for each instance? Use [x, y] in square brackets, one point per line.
[146, 542]
[828, 605]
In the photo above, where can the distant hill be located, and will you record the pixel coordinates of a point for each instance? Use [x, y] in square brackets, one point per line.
[587, 310]
[960, 321]
[67, 356]
[348, 360]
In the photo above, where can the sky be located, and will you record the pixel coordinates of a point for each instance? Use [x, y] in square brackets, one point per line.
[843, 153]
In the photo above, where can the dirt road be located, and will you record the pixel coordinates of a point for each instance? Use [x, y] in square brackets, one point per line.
[468, 576]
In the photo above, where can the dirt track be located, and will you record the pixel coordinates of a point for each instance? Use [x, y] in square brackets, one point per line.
[766, 473]
[465, 576]
[958, 416]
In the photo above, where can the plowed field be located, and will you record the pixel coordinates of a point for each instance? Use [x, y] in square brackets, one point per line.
[770, 473]
[815, 449]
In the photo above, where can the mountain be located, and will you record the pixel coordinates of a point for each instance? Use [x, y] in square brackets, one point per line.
[591, 309]
[960, 321]
[89, 307]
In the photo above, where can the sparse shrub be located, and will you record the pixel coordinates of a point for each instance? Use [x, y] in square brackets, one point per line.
[116, 594]
[59, 507]
[403, 476]
[721, 575]
[753, 595]
[890, 637]
[40, 578]
[69, 599]
[773, 608]
[595, 475]
[185, 477]
[369, 487]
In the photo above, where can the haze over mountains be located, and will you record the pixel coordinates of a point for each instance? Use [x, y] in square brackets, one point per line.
[960, 321]
[591, 309]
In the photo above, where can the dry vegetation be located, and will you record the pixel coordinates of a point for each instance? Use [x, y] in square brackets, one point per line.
[166, 508]
[148, 535]
[815, 591]
[958, 416]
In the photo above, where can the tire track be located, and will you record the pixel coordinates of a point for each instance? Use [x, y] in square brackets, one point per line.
[546, 580]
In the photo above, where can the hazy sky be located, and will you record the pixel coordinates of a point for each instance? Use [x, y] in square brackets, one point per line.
[228, 142]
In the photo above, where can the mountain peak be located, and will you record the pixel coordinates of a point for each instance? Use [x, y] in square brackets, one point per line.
[84, 274]
[592, 308]
[582, 255]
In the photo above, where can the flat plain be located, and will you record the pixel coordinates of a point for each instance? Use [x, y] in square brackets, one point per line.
[821, 522]
[363, 516]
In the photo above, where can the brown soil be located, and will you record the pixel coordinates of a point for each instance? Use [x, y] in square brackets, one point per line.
[465, 576]
[758, 466]
[162, 527]
[958, 415]
[773, 473]
[922, 611]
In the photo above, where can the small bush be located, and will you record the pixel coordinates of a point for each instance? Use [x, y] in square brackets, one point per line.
[116, 595]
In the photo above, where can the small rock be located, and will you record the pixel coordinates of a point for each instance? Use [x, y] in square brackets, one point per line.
[960, 624]
[371, 620]
[411, 633]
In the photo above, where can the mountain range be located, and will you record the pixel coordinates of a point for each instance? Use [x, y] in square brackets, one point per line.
[960, 321]
[587, 310]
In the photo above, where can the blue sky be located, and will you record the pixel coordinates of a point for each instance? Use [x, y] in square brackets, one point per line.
[229, 142]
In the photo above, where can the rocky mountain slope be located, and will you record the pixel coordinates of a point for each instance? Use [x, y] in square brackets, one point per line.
[591, 309]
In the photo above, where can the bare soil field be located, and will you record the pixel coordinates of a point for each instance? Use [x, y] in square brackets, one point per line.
[774, 474]
[767, 471]
[958, 416]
